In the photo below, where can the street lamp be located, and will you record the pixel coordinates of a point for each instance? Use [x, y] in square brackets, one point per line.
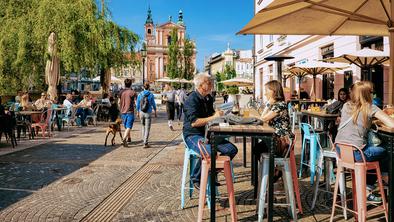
[143, 55]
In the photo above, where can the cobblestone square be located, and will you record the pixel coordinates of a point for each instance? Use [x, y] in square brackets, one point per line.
[73, 177]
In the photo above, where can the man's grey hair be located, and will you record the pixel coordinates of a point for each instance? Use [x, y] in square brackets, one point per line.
[199, 79]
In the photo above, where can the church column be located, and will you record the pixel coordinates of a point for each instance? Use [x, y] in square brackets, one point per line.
[157, 64]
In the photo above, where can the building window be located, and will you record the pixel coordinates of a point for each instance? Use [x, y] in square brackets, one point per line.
[169, 39]
[372, 42]
[271, 69]
[271, 38]
[149, 31]
[327, 51]
[261, 41]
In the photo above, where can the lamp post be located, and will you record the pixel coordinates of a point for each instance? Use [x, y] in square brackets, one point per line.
[143, 55]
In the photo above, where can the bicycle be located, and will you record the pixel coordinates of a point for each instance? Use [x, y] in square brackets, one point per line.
[255, 104]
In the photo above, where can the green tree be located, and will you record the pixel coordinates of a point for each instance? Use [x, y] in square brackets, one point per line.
[173, 55]
[85, 39]
[188, 53]
[219, 78]
[229, 73]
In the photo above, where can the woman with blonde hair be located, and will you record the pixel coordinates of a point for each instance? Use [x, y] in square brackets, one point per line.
[356, 120]
[25, 103]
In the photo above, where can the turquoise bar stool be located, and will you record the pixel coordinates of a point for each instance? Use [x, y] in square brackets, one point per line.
[189, 159]
[313, 138]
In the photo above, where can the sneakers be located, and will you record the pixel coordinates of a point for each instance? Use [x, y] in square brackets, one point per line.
[196, 185]
[372, 198]
[125, 143]
[146, 145]
[129, 140]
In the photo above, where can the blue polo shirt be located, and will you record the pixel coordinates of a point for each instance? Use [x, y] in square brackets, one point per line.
[196, 106]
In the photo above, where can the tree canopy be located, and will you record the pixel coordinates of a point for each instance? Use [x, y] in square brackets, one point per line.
[86, 38]
[180, 59]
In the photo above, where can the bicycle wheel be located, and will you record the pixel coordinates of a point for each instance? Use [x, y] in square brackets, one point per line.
[249, 105]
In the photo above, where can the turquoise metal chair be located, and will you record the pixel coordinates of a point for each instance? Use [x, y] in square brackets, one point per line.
[189, 159]
[313, 138]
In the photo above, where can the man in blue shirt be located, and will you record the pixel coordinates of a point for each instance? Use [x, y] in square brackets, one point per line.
[199, 112]
[145, 105]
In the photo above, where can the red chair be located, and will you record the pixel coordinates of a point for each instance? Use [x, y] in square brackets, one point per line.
[359, 172]
[44, 124]
[222, 163]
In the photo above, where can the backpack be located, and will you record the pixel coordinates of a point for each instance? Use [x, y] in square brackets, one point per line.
[144, 103]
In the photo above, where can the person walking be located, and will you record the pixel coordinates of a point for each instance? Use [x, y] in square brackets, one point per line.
[181, 98]
[225, 97]
[145, 105]
[127, 97]
[169, 96]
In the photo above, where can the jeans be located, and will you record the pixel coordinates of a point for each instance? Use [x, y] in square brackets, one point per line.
[83, 112]
[146, 121]
[371, 154]
[179, 110]
[225, 148]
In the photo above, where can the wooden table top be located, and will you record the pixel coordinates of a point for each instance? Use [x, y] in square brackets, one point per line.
[311, 101]
[243, 129]
[60, 108]
[319, 114]
[385, 129]
[29, 112]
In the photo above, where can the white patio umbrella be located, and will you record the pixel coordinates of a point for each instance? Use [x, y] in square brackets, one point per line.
[315, 68]
[296, 73]
[237, 82]
[52, 68]
[327, 17]
[165, 79]
[185, 81]
[363, 58]
[113, 79]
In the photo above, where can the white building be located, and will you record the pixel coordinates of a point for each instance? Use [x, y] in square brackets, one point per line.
[240, 60]
[244, 64]
[307, 48]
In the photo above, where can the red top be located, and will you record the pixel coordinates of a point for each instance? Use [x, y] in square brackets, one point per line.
[127, 101]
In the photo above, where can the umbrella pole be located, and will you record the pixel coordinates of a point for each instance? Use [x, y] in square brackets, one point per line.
[299, 87]
[314, 86]
[391, 73]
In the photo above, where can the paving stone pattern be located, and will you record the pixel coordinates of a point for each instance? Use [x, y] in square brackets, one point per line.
[68, 177]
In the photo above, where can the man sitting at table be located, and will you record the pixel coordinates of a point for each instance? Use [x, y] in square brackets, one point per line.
[85, 109]
[199, 112]
[67, 103]
[42, 103]
[304, 94]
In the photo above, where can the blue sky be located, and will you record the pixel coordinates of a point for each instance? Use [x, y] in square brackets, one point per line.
[210, 23]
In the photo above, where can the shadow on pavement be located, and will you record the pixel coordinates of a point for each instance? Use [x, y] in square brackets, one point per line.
[26, 171]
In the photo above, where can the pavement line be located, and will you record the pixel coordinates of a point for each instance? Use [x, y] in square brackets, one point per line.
[16, 189]
[114, 202]
[108, 208]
